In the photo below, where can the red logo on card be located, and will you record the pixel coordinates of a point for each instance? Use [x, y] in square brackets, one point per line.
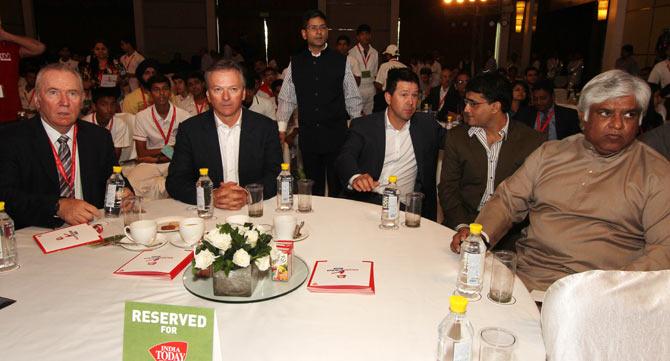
[169, 351]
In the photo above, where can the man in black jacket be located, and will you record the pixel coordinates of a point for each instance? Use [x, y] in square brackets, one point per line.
[443, 97]
[397, 142]
[55, 166]
[547, 117]
[237, 145]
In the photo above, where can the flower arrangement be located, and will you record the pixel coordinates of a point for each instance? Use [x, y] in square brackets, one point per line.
[230, 247]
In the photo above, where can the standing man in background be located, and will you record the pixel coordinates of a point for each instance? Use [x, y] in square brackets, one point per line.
[320, 83]
[130, 60]
[367, 58]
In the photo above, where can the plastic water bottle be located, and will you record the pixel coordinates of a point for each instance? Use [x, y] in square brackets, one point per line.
[285, 189]
[203, 192]
[114, 193]
[471, 274]
[390, 205]
[455, 333]
[8, 254]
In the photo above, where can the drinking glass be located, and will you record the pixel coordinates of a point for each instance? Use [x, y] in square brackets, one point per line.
[413, 209]
[255, 206]
[497, 344]
[305, 195]
[131, 209]
[503, 271]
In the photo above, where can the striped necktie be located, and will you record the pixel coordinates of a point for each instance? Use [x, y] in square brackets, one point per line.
[66, 160]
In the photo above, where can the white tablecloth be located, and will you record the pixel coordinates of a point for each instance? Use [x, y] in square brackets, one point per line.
[70, 306]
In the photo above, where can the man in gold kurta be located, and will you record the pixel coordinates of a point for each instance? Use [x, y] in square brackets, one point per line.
[597, 200]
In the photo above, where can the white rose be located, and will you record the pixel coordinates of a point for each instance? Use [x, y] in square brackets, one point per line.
[204, 259]
[241, 258]
[252, 237]
[219, 240]
[263, 263]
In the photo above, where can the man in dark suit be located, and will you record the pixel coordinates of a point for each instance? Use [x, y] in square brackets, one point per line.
[396, 142]
[443, 97]
[237, 145]
[545, 116]
[484, 152]
[54, 166]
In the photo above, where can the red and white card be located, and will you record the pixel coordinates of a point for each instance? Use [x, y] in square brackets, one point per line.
[66, 238]
[342, 277]
[164, 262]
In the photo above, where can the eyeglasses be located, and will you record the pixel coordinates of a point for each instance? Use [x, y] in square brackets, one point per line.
[472, 104]
[317, 27]
[461, 81]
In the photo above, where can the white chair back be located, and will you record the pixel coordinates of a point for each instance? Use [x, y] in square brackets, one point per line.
[608, 315]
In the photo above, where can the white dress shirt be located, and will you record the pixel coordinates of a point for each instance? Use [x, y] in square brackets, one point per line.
[229, 146]
[53, 135]
[492, 153]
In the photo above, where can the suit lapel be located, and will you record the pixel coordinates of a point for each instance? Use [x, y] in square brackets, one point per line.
[86, 150]
[246, 145]
[506, 158]
[211, 139]
[44, 153]
[417, 146]
[380, 143]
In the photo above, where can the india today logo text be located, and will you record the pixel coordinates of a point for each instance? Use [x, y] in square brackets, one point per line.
[169, 351]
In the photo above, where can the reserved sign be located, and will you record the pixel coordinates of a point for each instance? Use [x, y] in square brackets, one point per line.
[156, 332]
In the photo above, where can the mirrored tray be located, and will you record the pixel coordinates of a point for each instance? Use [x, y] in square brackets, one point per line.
[265, 290]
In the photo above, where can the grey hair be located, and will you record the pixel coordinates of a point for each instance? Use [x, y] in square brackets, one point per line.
[614, 84]
[56, 67]
[225, 65]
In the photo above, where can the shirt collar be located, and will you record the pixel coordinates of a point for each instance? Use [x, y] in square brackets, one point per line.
[220, 123]
[388, 125]
[53, 134]
[169, 114]
[319, 53]
[503, 132]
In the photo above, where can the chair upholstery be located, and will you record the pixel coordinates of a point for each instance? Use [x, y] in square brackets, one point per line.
[608, 315]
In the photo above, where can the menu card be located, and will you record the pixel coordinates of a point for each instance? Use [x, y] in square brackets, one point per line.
[164, 262]
[342, 277]
[68, 237]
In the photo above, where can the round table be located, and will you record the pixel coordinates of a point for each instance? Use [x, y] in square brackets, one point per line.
[70, 306]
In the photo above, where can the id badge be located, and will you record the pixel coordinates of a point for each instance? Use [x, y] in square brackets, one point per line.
[366, 74]
[108, 80]
[167, 151]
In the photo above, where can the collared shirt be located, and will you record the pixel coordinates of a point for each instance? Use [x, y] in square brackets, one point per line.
[399, 159]
[383, 72]
[116, 126]
[587, 211]
[288, 100]
[368, 63]
[551, 129]
[146, 130]
[660, 74]
[492, 153]
[264, 105]
[188, 104]
[130, 62]
[229, 146]
[53, 135]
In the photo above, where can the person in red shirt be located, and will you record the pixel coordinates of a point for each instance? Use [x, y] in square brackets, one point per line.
[12, 48]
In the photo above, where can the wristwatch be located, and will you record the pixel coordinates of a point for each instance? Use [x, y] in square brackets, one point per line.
[57, 208]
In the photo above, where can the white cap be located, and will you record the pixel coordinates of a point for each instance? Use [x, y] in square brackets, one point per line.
[392, 50]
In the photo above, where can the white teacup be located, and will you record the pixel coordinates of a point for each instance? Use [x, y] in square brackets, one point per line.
[191, 230]
[284, 226]
[239, 219]
[142, 232]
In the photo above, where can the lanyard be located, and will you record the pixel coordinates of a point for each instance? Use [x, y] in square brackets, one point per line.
[542, 128]
[59, 164]
[198, 109]
[166, 139]
[109, 125]
[365, 58]
[130, 59]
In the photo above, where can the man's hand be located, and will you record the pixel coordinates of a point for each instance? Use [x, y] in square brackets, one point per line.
[282, 137]
[364, 183]
[230, 195]
[76, 211]
[458, 239]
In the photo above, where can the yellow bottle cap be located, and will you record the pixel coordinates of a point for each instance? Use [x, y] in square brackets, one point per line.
[458, 304]
[284, 166]
[2, 206]
[475, 228]
[116, 169]
[204, 171]
[393, 179]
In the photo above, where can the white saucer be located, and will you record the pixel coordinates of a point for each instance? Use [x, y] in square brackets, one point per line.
[163, 220]
[179, 242]
[136, 247]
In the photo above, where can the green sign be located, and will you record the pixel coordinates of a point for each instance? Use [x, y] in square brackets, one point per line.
[155, 332]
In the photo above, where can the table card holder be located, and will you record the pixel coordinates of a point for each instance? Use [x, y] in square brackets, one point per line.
[66, 238]
[158, 332]
[164, 262]
[342, 277]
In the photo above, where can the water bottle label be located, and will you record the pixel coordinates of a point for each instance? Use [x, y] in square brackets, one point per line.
[473, 263]
[285, 191]
[200, 198]
[110, 196]
[462, 351]
[393, 206]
